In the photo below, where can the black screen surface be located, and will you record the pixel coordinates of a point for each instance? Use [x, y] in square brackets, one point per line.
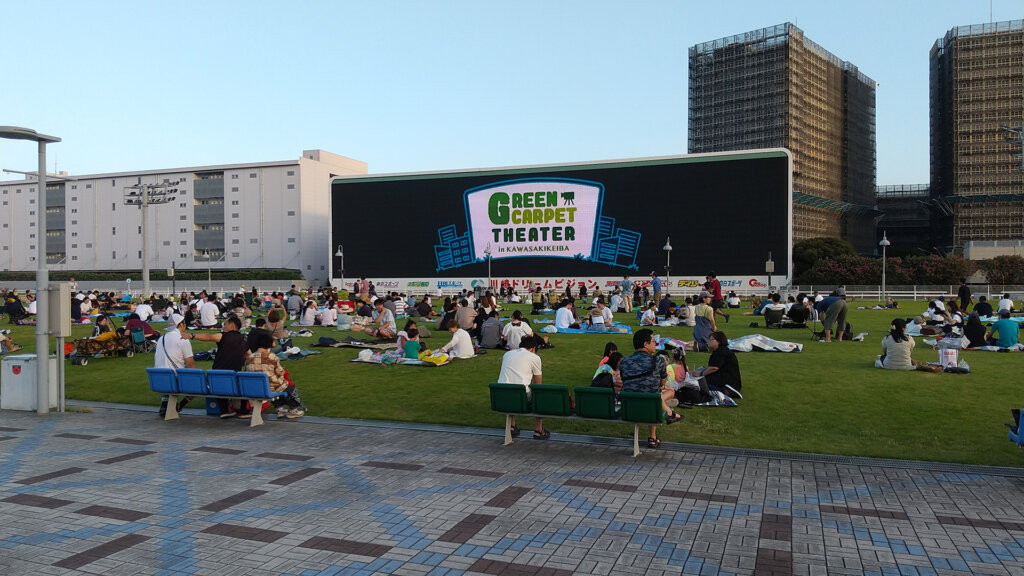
[723, 213]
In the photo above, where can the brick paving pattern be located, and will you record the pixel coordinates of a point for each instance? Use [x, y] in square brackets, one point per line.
[321, 498]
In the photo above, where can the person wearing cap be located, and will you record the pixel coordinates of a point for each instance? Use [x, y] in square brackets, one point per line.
[174, 351]
[833, 309]
[704, 317]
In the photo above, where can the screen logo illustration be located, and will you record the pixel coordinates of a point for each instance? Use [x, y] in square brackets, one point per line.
[552, 218]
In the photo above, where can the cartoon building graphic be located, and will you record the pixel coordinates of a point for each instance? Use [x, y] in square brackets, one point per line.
[453, 250]
[617, 247]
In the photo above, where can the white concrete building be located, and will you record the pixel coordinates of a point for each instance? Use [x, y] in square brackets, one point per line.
[233, 216]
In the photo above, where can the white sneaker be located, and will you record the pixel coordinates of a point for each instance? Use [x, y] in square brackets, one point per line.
[296, 413]
[282, 412]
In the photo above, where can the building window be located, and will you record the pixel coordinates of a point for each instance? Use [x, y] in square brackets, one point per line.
[167, 242]
[74, 198]
[234, 202]
[5, 225]
[73, 234]
[31, 212]
[113, 183]
[31, 235]
[234, 176]
[183, 205]
[73, 210]
[252, 174]
[321, 268]
[291, 240]
[234, 188]
[113, 255]
[140, 229]
[253, 241]
[31, 224]
[291, 172]
[183, 217]
[182, 255]
[74, 245]
[31, 200]
[73, 187]
[234, 214]
[88, 244]
[113, 231]
[291, 212]
[88, 186]
[235, 254]
[234, 241]
[140, 254]
[74, 257]
[234, 228]
[5, 202]
[183, 243]
[183, 230]
[74, 222]
[113, 206]
[291, 186]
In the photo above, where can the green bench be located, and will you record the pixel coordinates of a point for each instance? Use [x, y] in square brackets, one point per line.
[592, 404]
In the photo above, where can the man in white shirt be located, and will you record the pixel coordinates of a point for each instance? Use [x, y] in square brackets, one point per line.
[650, 316]
[461, 345]
[174, 351]
[144, 311]
[1005, 303]
[523, 366]
[208, 312]
[564, 318]
[617, 302]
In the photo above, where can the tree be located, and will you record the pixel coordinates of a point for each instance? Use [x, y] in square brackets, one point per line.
[1003, 269]
[807, 252]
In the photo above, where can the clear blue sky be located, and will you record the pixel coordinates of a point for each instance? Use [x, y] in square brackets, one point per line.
[409, 86]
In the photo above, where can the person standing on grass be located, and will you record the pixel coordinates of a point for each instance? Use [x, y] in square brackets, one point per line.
[627, 293]
[174, 351]
[834, 309]
[232, 350]
[656, 286]
[963, 294]
[704, 322]
[717, 302]
[646, 371]
[523, 366]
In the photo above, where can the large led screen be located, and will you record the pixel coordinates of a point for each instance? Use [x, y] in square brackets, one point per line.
[723, 213]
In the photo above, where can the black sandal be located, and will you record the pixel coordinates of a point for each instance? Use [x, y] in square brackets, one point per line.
[515, 431]
[672, 418]
[653, 442]
[542, 435]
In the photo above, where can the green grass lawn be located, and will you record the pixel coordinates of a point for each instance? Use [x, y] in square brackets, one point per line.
[828, 399]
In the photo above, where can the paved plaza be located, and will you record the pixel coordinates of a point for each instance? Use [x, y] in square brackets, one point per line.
[117, 491]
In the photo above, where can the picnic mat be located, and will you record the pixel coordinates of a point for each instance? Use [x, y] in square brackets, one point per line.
[762, 343]
[351, 342]
[622, 329]
[387, 358]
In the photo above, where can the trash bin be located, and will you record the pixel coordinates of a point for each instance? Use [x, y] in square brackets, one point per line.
[18, 382]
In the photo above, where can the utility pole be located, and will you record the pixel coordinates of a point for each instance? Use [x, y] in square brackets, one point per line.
[142, 195]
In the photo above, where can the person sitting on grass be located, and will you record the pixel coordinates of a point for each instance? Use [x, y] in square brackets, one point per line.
[461, 345]
[411, 346]
[515, 330]
[685, 383]
[1003, 332]
[6, 344]
[723, 369]
[386, 328]
[646, 371]
[523, 366]
[650, 316]
[896, 348]
[490, 331]
[974, 331]
[564, 317]
[263, 360]
[983, 307]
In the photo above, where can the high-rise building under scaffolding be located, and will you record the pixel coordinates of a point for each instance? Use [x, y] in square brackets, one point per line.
[977, 109]
[775, 88]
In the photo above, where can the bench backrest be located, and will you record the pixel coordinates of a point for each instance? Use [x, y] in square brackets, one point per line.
[162, 380]
[509, 398]
[552, 399]
[222, 382]
[255, 385]
[192, 381]
[643, 407]
[595, 402]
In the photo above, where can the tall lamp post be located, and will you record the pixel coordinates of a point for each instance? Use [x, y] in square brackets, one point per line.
[209, 269]
[884, 243]
[143, 195]
[341, 254]
[769, 268]
[487, 251]
[668, 262]
[42, 273]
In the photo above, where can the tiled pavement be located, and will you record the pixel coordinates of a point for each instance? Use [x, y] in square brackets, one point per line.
[119, 492]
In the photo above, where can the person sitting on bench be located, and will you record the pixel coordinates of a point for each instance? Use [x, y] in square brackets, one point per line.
[523, 366]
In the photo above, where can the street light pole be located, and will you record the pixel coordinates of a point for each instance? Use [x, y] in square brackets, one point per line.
[668, 261]
[42, 273]
[884, 244]
[143, 195]
[341, 254]
[487, 251]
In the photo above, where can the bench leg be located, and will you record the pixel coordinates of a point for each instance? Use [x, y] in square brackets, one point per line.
[508, 429]
[636, 440]
[257, 413]
[172, 408]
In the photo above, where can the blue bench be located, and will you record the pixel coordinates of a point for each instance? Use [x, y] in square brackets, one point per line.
[592, 404]
[251, 386]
